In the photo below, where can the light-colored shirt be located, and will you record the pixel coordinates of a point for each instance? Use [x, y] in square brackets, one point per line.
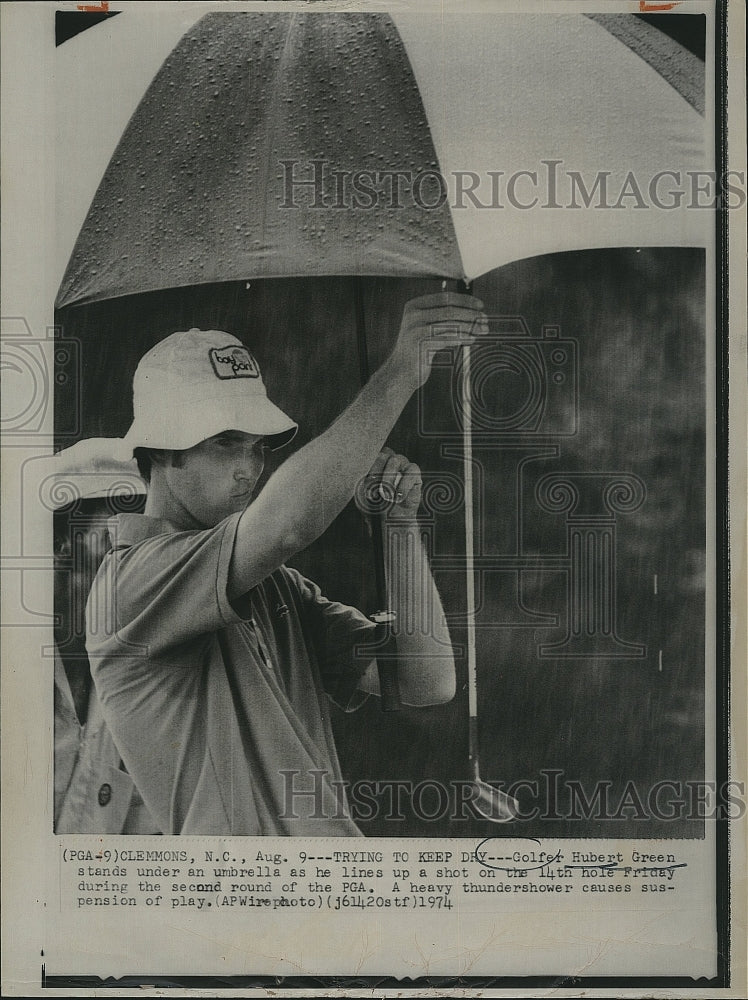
[93, 794]
[219, 709]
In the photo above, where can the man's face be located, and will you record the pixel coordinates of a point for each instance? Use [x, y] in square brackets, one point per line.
[216, 478]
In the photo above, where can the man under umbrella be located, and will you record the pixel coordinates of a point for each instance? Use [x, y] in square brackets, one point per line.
[210, 656]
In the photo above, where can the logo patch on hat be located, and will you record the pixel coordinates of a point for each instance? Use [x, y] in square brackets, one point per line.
[233, 362]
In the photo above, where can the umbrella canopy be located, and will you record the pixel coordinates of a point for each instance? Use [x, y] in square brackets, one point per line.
[274, 145]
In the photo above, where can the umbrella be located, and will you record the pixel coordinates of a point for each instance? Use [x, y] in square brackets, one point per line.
[285, 145]
[259, 128]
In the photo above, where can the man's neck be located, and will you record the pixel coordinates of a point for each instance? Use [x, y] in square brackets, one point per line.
[163, 505]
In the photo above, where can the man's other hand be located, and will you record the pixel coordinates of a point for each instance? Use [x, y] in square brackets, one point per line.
[391, 487]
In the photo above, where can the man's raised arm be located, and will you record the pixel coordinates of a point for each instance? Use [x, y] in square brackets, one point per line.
[313, 486]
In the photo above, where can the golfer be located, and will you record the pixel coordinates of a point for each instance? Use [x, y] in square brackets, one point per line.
[212, 659]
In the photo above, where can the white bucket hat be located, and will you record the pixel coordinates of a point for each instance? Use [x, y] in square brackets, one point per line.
[194, 385]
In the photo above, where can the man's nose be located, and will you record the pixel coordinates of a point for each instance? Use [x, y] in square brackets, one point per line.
[249, 464]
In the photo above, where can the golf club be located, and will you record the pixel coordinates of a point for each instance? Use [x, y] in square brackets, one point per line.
[490, 802]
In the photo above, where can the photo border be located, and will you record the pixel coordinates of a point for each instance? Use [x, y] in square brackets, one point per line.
[724, 695]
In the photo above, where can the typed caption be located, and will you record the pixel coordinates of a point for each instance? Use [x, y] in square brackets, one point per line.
[323, 878]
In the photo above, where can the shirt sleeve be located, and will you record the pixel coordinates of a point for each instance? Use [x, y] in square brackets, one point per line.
[164, 590]
[343, 639]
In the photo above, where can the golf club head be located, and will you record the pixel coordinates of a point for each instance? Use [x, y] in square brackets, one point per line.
[493, 804]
